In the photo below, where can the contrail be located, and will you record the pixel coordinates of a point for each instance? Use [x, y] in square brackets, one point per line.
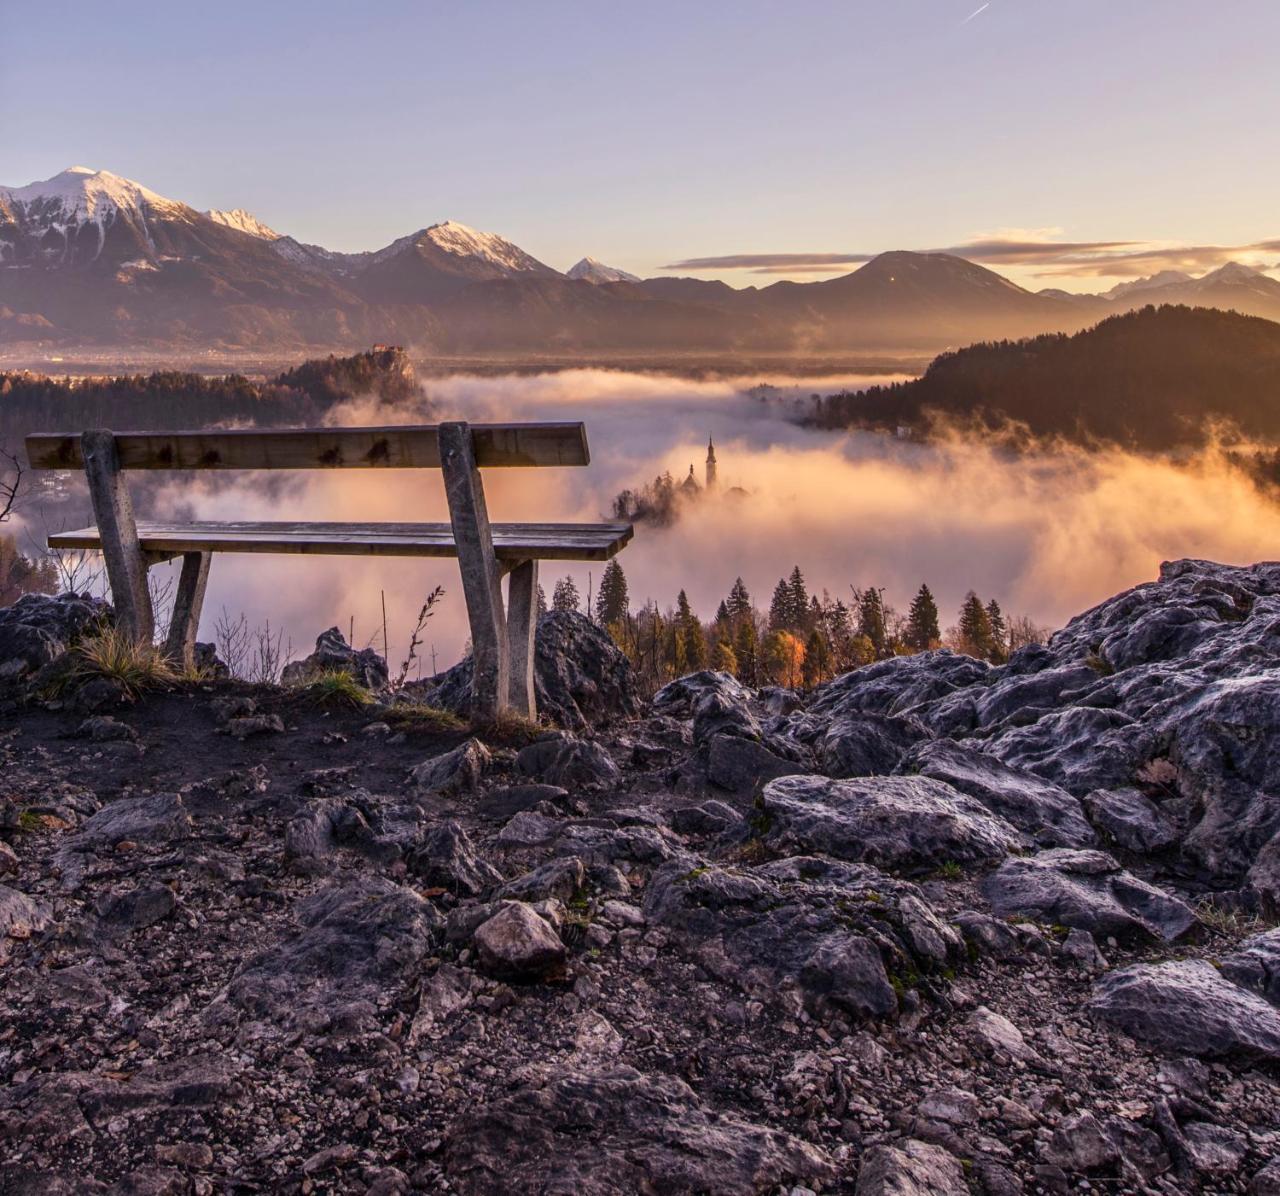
[976, 13]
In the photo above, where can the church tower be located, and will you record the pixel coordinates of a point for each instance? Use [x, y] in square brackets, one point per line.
[711, 464]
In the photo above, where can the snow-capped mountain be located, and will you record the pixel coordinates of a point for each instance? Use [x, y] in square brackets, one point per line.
[246, 222]
[590, 270]
[90, 256]
[1165, 278]
[76, 216]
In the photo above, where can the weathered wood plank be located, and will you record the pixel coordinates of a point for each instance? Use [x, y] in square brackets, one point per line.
[522, 625]
[184, 623]
[481, 578]
[118, 535]
[408, 447]
[512, 542]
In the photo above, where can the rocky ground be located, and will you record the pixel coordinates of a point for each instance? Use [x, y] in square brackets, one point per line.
[935, 928]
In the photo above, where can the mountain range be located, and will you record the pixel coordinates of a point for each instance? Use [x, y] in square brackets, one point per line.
[90, 257]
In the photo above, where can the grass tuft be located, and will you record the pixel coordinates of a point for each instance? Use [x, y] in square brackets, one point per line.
[336, 687]
[418, 716]
[1229, 921]
[116, 655]
[507, 728]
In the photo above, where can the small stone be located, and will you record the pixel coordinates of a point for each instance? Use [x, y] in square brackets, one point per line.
[516, 944]
[1078, 1144]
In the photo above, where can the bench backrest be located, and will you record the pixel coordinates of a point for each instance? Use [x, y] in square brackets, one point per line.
[410, 447]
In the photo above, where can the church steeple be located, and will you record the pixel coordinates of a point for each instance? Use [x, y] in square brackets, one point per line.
[711, 464]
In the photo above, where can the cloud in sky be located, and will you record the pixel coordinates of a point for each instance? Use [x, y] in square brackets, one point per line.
[1040, 250]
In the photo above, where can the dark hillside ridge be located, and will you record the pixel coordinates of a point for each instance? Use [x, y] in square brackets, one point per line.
[172, 400]
[1155, 379]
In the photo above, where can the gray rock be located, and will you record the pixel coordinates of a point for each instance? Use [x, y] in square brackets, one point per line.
[1088, 890]
[136, 908]
[1048, 815]
[446, 858]
[1079, 1145]
[559, 878]
[739, 765]
[38, 628]
[569, 762]
[1081, 949]
[356, 945]
[599, 1133]
[709, 818]
[528, 829]
[581, 677]
[21, 916]
[1266, 1182]
[680, 698]
[516, 944]
[898, 685]
[161, 817]
[254, 724]
[1214, 1149]
[102, 728]
[1188, 1007]
[860, 744]
[910, 824]
[719, 713]
[452, 774]
[910, 1167]
[1256, 965]
[1131, 818]
[334, 655]
[840, 929]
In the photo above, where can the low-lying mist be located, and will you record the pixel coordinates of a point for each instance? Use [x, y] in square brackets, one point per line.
[1047, 534]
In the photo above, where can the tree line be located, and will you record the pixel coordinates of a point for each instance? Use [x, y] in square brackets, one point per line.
[800, 641]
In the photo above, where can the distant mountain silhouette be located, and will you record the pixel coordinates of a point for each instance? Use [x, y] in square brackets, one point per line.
[1153, 379]
[89, 257]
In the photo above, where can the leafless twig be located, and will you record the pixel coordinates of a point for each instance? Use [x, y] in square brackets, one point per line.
[415, 640]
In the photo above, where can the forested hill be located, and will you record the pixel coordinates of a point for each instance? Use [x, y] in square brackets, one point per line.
[171, 400]
[1153, 379]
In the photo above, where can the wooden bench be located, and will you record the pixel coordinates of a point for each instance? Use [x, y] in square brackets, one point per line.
[502, 639]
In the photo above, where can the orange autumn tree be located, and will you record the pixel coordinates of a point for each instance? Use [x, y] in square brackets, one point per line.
[784, 658]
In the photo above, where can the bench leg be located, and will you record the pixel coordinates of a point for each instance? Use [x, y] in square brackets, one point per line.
[522, 624]
[113, 512]
[481, 574]
[185, 622]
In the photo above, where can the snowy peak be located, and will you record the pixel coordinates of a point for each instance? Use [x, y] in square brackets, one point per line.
[1166, 278]
[83, 194]
[1232, 274]
[242, 221]
[461, 241]
[590, 270]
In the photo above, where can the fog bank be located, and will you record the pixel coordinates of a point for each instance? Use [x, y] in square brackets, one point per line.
[1048, 535]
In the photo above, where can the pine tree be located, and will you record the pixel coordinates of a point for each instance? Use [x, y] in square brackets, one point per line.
[542, 600]
[999, 633]
[565, 596]
[722, 614]
[612, 601]
[923, 632]
[694, 641]
[871, 623]
[799, 601]
[738, 604]
[975, 628]
[781, 616]
[746, 647]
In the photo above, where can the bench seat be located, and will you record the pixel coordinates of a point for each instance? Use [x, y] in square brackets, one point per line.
[512, 542]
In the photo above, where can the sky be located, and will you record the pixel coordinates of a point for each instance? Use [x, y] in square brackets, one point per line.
[757, 139]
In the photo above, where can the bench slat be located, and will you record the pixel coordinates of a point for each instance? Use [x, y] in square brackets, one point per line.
[511, 541]
[409, 447]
